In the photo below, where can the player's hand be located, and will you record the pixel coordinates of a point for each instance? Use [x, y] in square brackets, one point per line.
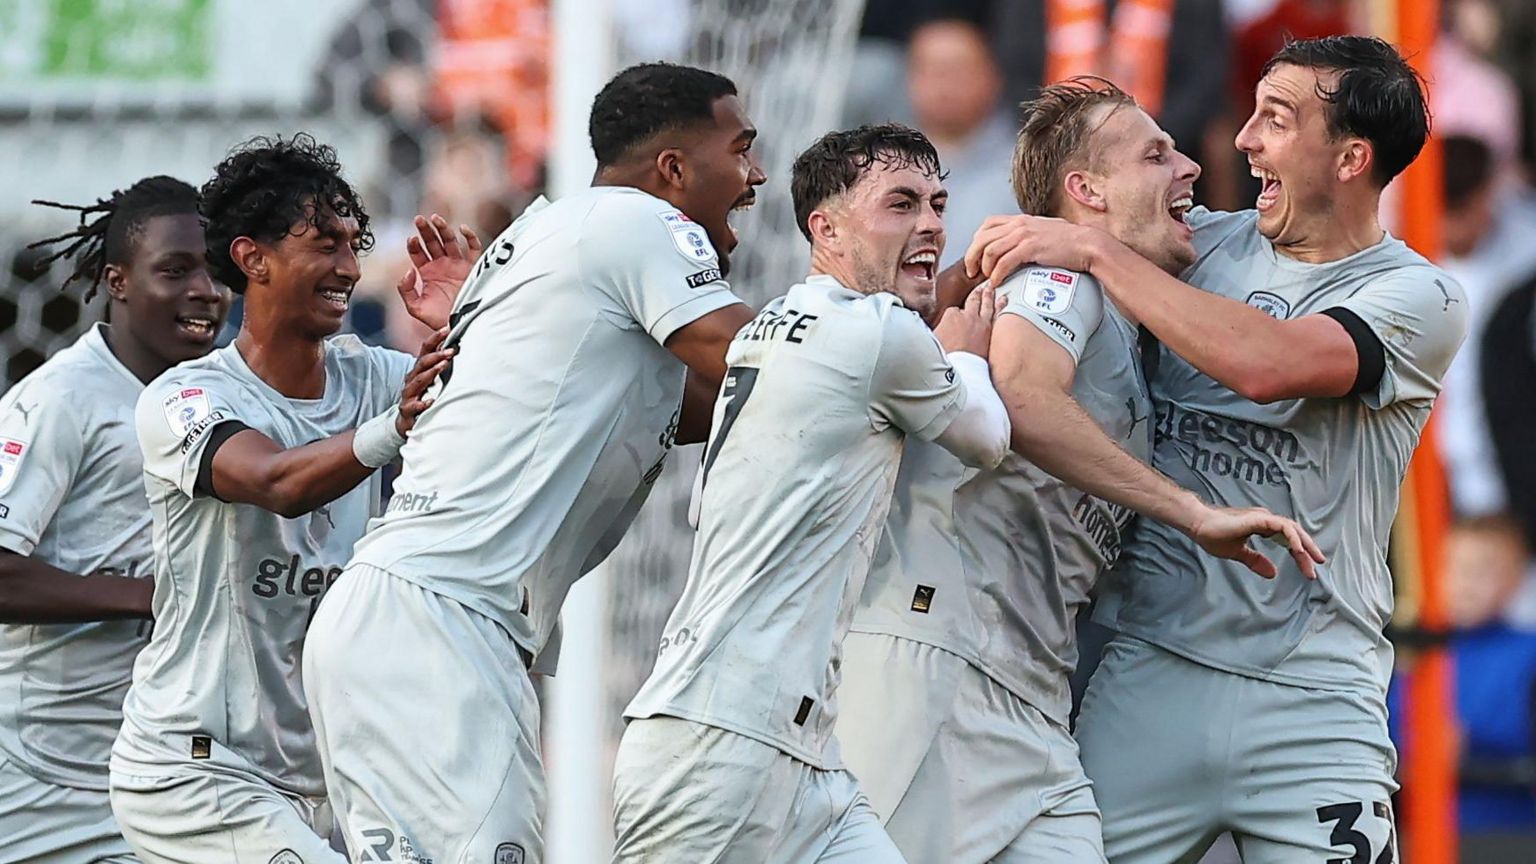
[1225, 532]
[440, 262]
[969, 328]
[429, 364]
[1004, 244]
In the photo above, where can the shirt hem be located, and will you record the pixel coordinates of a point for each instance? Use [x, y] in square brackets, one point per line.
[760, 737]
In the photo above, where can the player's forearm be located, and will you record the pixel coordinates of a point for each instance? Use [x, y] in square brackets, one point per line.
[34, 592]
[953, 287]
[293, 482]
[697, 411]
[1232, 342]
[1053, 431]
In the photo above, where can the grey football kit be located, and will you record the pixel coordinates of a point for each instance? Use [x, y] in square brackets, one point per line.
[957, 701]
[71, 495]
[734, 728]
[216, 760]
[1205, 638]
[524, 474]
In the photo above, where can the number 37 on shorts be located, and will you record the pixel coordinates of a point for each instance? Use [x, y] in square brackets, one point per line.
[1353, 832]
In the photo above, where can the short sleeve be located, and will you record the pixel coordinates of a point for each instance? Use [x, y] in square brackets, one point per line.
[174, 419]
[393, 367]
[655, 262]
[1420, 316]
[42, 445]
[913, 386]
[1062, 304]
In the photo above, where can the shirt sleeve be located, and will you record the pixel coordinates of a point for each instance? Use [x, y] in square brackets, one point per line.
[913, 386]
[393, 367]
[1062, 304]
[654, 262]
[1420, 316]
[42, 445]
[174, 420]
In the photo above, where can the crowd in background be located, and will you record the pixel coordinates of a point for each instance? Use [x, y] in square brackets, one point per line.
[462, 89]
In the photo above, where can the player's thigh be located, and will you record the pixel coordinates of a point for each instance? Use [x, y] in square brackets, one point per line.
[1145, 736]
[1357, 825]
[857, 836]
[206, 818]
[686, 793]
[41, 823]
[894, 697]
[428, 725]
[1070, 831]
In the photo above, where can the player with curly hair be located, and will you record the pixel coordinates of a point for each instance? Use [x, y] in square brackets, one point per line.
[260, 463]
[75, 552]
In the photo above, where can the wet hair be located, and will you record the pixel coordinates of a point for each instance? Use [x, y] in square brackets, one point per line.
[1054, 139]
[837, 160]
[266, 189]
[650, 98]
[109, 229]
[1378, 96]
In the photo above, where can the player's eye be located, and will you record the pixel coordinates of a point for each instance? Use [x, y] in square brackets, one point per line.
[902, 204]
[1157, 157]
[174, 272]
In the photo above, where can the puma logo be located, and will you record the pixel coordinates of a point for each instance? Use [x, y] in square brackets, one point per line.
[1446, 294]
[1130, 408]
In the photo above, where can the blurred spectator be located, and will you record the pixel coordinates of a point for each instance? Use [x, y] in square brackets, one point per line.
[1508, 370]
[954, 85]
[1470, 95]
[1516, 53]
[880, 57]
[1193, 92]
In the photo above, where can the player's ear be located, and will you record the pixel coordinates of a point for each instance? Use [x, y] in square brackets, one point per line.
[1356, 159]
[669, 164]
[823, 232]
[250, 257]
[116, 279]
[1084, 189]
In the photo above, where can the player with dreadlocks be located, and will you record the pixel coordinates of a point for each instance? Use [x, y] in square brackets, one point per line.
[260, 463]
[74, 532]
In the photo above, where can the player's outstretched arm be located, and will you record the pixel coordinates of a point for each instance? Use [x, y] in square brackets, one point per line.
[1034, 376]
[1259, 357]
[701, 345]
[35, 592]
[249, 468]
[440, 264]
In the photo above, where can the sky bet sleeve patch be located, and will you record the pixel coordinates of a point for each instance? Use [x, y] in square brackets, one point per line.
[688, 236]
[12, 451]
[184, 408]
[1049, 291]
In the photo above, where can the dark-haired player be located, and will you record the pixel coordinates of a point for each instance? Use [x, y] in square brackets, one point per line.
[260, 466]
[574, 333]
[1323, 341]
[729, 755]
[75, 555]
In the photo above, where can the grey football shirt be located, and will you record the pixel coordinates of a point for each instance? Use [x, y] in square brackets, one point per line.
[995, 565]
[561, 406]
[236, 585]
[824, 387]
[1334, 465]
[71, 495]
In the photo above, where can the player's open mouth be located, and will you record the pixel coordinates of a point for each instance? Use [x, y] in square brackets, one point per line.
[920, 265]
[1270, 193]
[1179, 208]
[196, 328]
[743, 204]
[336, 297]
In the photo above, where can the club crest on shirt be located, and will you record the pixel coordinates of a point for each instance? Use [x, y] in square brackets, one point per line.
[1049, 291]
[688, 236]
[12, 451]
[1270, 304]
[184, 408]
[510, 853]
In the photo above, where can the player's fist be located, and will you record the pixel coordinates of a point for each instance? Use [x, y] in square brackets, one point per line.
[1225, 532]
[969, 328]
[440, 262]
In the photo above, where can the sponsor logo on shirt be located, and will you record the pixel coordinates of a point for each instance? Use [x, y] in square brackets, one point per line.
[274, 576]
[381, 846]
[411, 502]
[1104, 523]
[1224, 447]
[703, 277]
[1272, 305]
[184, 408]
[12, 452]
[1049, 291]
[688, 236]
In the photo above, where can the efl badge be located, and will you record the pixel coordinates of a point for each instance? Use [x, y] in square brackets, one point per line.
[12, 451]
[1270, 304]
[688, 236]
[510, 853]
[1049, 291]
[184, 408]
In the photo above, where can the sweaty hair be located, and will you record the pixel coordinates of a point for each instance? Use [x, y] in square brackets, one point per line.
[109, 229]
[1378, 96]
[1468, 167]
[1053, 140]
[837, 160]
[265, 189]
[650, 98]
